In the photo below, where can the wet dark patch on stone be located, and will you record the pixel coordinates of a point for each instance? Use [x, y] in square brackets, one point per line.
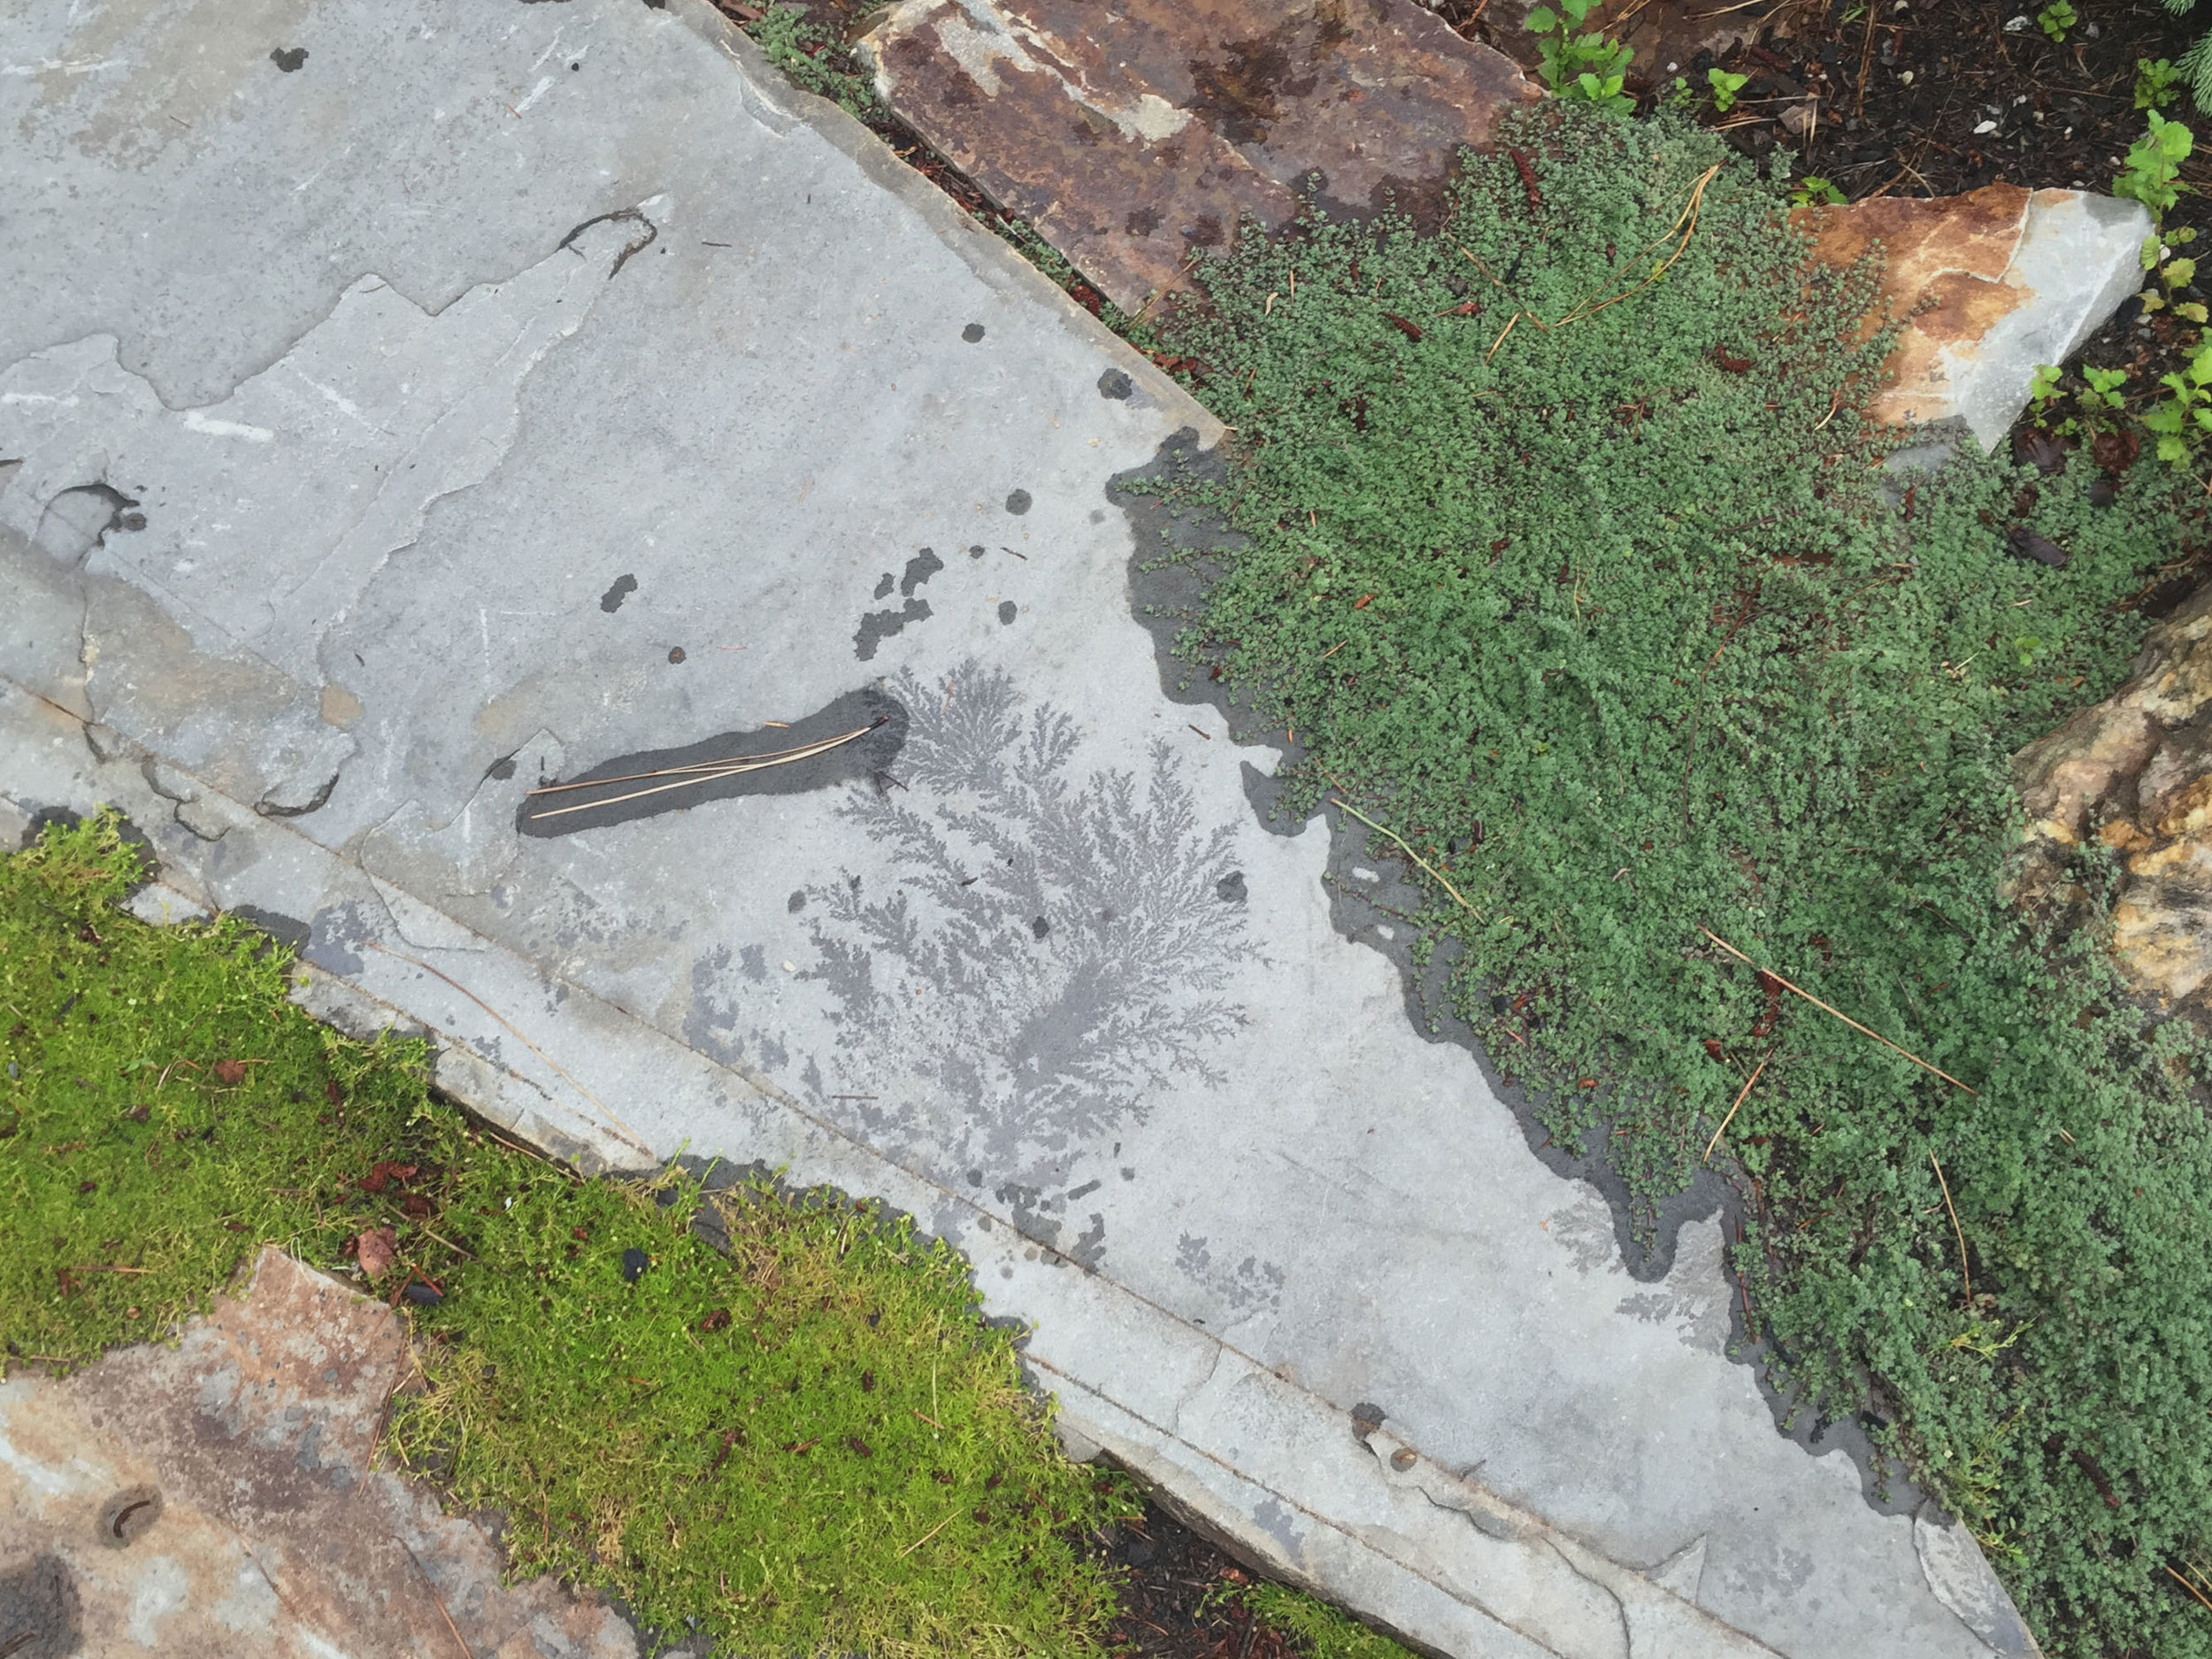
[919, 569]
[1168, 599]
[972, 333]
[500, 769]
[1230, 889]
[1019, 503]
[40, 1616]
[884, 585]
[1007, 611]
[883, 715]
[879, 626]
[45, 818]
[611, 600]
[1116, 385]
[288, 931]
[289, 58]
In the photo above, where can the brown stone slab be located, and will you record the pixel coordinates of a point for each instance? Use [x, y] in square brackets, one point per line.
[1130, 135]
[217, 1498]
[1952, 255]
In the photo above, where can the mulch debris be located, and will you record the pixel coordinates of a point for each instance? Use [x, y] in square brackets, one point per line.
[1177, 1600]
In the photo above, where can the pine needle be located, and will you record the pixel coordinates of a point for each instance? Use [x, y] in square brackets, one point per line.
[1825, 1009]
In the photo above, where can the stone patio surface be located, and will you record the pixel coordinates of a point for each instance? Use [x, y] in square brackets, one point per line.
[404, 405]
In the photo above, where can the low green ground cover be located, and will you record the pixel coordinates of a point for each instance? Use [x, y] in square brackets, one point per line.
[1568, 559]
[804, 1441]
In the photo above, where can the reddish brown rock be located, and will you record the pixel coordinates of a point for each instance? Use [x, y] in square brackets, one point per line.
[1130, 135]
[220, 1496]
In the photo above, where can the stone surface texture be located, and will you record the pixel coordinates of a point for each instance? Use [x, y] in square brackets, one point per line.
[2135, 772]
[1130, 134]
[216, 1497]
[1988, 285]
[500, 393]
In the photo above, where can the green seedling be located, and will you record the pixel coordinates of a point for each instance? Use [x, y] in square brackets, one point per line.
[2055, 18]
[1725, 87]
[2182, 418]
[1812, 189]
[2157, 83]
[1585, 67]
[2152, 168]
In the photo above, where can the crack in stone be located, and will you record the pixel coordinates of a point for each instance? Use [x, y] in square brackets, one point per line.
[1620, 1608]
[1175, 1422]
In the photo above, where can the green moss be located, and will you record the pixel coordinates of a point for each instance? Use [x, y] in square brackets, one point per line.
[164, 1108]
[812, 1443]
[1608, 610]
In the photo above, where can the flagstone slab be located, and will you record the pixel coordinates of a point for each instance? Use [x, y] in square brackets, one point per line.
[217, 1495]
[1130, 134]
[498, 397]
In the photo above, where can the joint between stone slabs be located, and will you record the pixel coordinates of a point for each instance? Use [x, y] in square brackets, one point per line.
[987, 255]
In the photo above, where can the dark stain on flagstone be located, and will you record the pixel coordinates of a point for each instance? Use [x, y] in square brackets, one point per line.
[861, 760]
[1369, 902]
[879, 626]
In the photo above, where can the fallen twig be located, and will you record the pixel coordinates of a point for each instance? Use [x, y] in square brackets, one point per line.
[704, 771]
[926, 1537]
[2185, 1584]
[467, 1650]
[1685, 226]
[1346, 806]
[1946, 1186]
[1740, 1093]
[1837, 1013]
[691, 766]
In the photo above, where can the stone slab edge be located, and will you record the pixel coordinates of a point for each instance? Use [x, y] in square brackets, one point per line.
[780, 105]
[1299, 1486]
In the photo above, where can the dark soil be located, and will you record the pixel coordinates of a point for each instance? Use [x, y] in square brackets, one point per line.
[1894, 89]
[1175, 1603]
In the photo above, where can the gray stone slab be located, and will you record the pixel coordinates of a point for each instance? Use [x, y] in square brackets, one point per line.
[467, 420]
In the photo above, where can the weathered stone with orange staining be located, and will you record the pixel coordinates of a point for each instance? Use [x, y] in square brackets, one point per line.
[2134, 771]
[1130, 135]
[216, 1497]
[1988, 285]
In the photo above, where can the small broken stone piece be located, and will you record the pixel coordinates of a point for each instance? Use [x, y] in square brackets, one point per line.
[1987, 286]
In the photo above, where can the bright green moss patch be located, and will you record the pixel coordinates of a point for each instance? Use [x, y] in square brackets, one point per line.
[812, 1440]
[162, 1110]
[1590, 586]
[1320, 1631]
[812, 1444]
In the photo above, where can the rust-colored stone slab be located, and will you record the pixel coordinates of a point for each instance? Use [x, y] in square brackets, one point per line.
[1951, 254]
[1130, 134]
[216, 1498]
